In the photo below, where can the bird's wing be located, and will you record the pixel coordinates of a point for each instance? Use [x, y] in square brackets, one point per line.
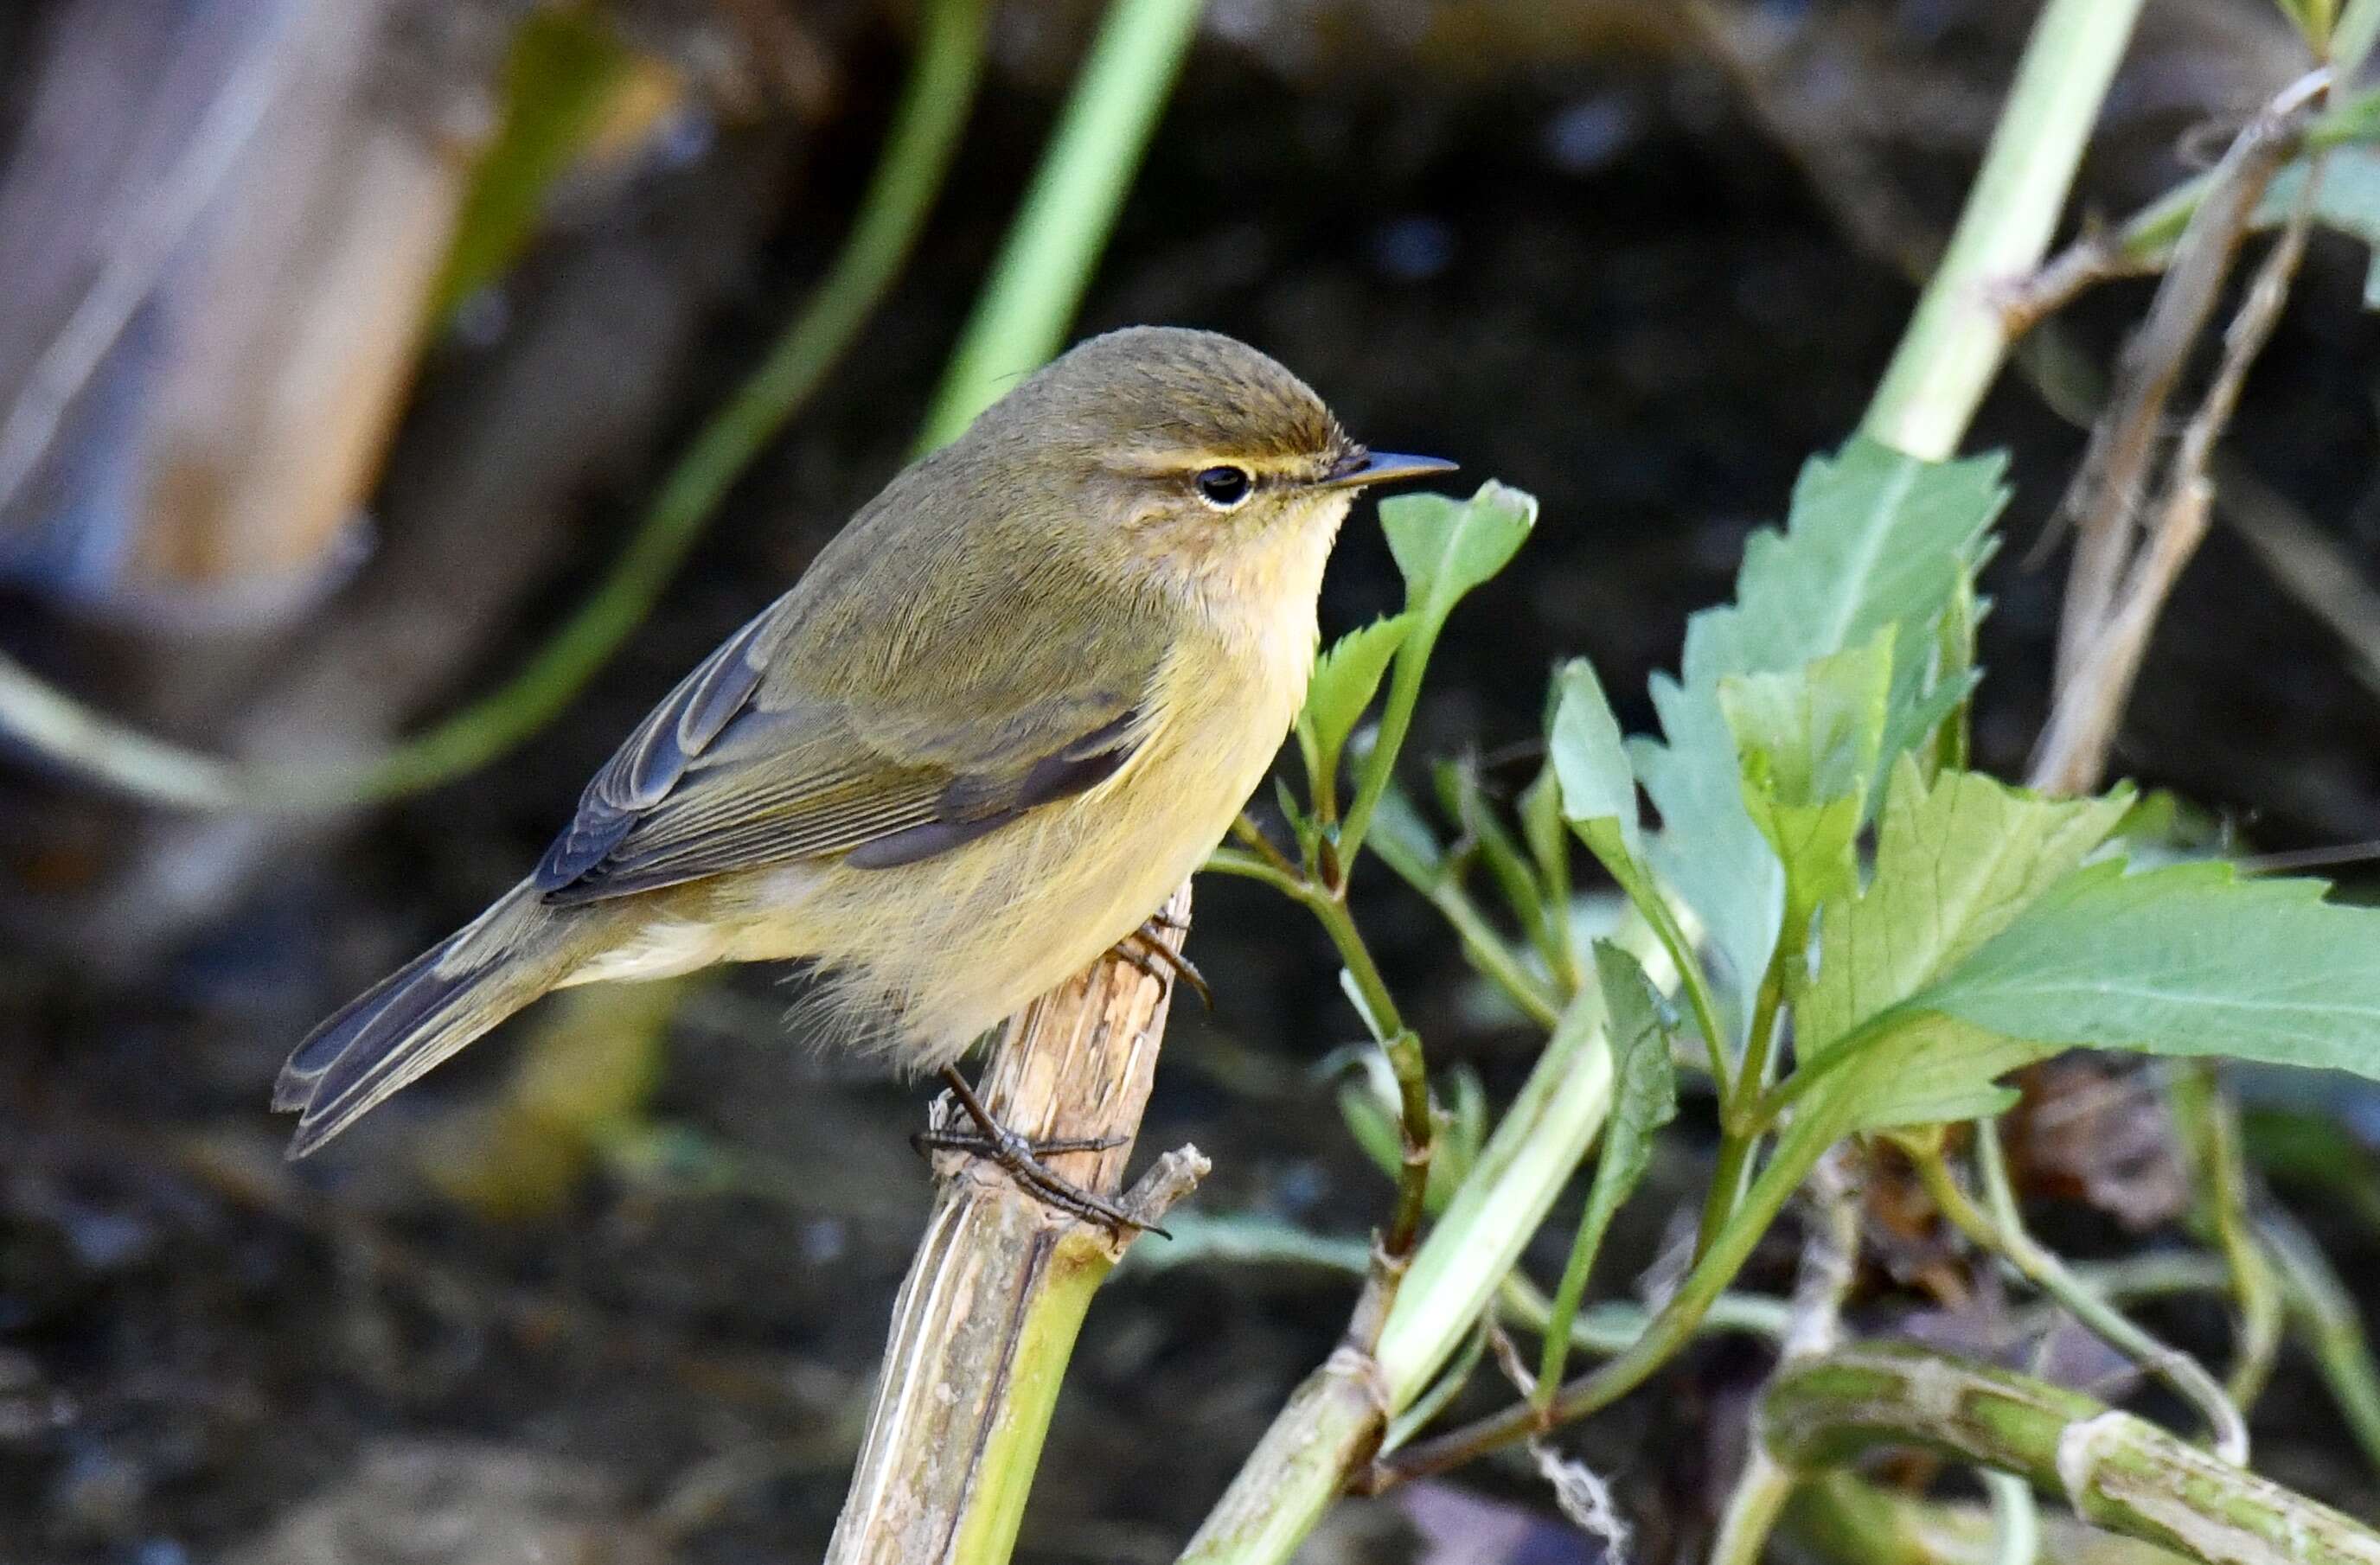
[747, 764]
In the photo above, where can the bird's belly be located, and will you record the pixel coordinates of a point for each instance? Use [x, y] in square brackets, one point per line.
[929, 956]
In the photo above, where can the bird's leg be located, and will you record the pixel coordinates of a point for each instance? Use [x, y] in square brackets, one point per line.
[1142, 950]
[1022, 1159]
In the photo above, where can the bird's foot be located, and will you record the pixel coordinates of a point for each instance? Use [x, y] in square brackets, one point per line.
[1021, 1159]
[1142, 950]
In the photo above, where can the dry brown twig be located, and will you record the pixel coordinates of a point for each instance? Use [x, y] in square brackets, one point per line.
[1001, 1280]
[2122, 573]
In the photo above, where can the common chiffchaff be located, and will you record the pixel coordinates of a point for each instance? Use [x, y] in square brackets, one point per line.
[1007, 711]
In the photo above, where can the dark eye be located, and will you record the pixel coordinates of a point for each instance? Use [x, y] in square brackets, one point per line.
[1224, 488]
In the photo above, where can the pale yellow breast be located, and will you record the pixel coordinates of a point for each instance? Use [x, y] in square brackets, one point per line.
[927, 956]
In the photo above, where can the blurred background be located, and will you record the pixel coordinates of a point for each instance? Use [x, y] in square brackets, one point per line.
[344, 349]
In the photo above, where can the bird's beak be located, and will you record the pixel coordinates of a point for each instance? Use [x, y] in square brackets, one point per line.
[1362, 468]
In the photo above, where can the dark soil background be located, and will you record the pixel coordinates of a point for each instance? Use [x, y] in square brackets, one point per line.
[1554, 243]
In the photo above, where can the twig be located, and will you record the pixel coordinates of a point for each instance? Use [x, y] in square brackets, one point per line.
[2115, 591]
[2115, 1471]
[987, 1318]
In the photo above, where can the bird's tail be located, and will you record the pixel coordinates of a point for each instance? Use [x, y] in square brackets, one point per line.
[386, 1038]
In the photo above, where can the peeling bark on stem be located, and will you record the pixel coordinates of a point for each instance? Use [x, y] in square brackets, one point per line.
[987, 1317]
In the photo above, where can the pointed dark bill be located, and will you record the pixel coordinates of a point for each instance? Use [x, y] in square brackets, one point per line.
[1362, 468]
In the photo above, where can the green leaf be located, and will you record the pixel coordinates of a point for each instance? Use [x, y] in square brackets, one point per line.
[1645, 1073]
[2190, 960]
[1811, 735]
[1346, 676]
[1644, 1097]
[1956, 863]
[1447, 547]
[1808, 741]
[1874, 538]
[1590, 758]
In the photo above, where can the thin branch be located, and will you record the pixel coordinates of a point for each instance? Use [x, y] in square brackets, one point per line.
[2113, 590]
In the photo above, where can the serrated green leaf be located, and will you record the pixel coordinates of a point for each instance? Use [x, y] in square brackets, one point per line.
[1956, 863]
[2188, 960]
[1810, 736]
[1346, 676]
[1644, 1097]
[1590, 757]
[1874, 538]
[1808, 743]
[1444, 547]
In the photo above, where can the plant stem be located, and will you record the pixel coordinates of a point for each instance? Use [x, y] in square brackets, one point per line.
[2326, 1312]
[1740, 1125]
[1957, 339]
[2115, 1471]
[2210, 1124]
[1669, 1330]
[987, 1320]
[2002, 1232]
[1490, 955]
[1334, 1421]
[916, 156]
[1066, 217]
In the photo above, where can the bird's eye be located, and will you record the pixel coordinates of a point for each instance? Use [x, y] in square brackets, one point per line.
[1224, 488]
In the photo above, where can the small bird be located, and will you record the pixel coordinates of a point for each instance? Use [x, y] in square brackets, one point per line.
[1007, 710]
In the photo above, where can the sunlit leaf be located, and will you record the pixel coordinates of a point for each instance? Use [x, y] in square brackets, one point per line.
[1590, 758]
[1346, 676]
[1956, 863]
[1447, 547]
[2187, 960]
[1874, 538]
[1807, 742]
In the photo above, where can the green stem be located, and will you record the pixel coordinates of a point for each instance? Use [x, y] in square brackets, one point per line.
[2210, 1124]
[1063, 227]
[1336, 1416]
[1487, 951]
[1752, 1507]
[1403, 1048]
[1667, 1331]
[1740, 1125]
[2002, 1232]
[916, 156]
[1957, 340]
[2326, 1314]
[1692, 981]
[2115, 1471]
[1613, 1326]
